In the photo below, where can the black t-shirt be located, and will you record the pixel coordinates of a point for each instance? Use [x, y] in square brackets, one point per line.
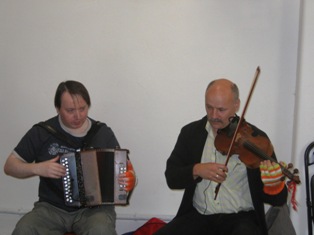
[38, 145]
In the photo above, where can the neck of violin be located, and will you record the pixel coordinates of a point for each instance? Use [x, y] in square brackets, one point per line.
[254, 149]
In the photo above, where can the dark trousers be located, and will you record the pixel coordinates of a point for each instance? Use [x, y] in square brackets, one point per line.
[194, 223]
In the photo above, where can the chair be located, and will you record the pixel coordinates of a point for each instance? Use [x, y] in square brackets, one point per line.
[309, 185]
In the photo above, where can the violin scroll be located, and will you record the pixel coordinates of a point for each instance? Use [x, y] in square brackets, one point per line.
[291, 173]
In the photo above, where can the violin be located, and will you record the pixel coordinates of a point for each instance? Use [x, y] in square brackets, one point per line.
[251, 147]
[240, 138]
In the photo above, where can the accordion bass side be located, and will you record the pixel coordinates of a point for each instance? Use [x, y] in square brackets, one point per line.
[92, 177]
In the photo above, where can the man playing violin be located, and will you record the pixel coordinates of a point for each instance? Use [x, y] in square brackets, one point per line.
[196, 166]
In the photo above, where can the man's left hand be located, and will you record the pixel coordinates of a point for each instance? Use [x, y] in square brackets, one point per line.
[128, 178]
[272, 177]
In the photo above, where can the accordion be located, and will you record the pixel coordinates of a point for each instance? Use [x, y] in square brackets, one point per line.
[92, 177]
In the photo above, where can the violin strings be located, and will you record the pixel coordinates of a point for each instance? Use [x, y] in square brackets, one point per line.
[252, 147]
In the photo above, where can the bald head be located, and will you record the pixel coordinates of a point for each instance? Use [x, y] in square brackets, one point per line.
[224, 84]
[222, 102]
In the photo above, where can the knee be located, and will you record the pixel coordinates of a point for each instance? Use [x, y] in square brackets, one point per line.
[246, 229]
[24, 230]
[102, 230]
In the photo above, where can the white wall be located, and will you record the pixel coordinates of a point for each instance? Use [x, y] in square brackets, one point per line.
[304, 115]
[146, 65]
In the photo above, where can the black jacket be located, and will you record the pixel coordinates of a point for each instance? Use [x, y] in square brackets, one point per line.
[188, 151]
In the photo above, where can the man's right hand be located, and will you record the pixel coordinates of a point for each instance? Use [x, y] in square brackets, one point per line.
[210, 171]
[18, 168]
[50, 169]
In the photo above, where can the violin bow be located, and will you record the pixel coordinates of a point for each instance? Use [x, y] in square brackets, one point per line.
[257, 73]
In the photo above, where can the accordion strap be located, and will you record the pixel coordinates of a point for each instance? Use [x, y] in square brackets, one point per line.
[87, 140]
[91, 133]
